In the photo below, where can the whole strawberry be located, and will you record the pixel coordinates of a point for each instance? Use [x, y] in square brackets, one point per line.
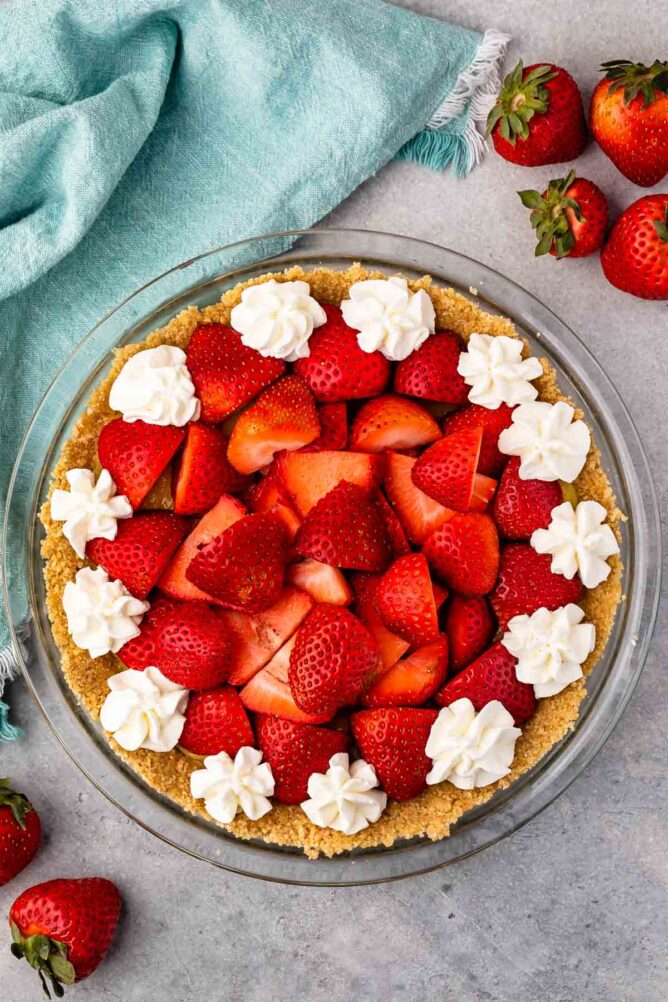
[538, 117]
[20, 832]
[629, 119]
[63, 928]
[635, 258]
[570, 217]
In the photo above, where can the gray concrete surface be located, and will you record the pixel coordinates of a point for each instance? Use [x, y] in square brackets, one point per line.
[573, 907]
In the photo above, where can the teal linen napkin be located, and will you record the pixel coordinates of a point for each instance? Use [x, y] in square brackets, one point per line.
[135, 134]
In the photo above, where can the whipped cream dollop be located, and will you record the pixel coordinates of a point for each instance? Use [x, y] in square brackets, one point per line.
[550, 647]
[278, 318]
[144, 710]
[470, 749]
[228, 785]
[579, 542]
[102, 615]
[89, 510]
[389, 317]
[550, 444]
[496, 372]
[155, 386]
[345, 797]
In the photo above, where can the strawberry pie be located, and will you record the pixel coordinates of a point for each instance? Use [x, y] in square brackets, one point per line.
[330, 560]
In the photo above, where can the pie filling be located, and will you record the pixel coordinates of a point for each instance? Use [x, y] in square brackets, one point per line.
[331, 559]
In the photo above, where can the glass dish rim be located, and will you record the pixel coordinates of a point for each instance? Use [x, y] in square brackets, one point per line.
[323, 234]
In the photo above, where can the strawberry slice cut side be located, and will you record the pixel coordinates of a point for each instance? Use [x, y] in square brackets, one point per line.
[283, 417]
[268, 691]
[413, 680]
[392, 422]
[257, 638]
[322, 582]
[308, 477]
[419, 514]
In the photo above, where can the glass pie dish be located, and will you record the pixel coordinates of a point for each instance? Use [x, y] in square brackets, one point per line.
[200, 282]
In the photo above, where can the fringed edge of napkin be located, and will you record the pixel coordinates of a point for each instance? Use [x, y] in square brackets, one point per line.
[8, 671]
[470, 100]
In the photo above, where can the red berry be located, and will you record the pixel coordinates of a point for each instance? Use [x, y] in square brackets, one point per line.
[295, 751]
[216, 721]
[393, 742]
[337, 368]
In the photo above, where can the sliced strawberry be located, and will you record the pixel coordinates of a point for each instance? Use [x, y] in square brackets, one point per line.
[225, 372]
[174, 582]
[405, 600]
[394, 528]
[307, 477]
[282, 417]
[419, 514]
[243, 567]
[269, 691]
[469, 626]
[522, 506]
[216, 721]
[333, 428]
[257, 638]
[491, 677]
[337, 368]
[430, 373]
[269, 495]
[136, 453]
[143, 547]
[393, 740]
[333, 661]
[345, 530]
[190, 644]
[392, 422]
[139, 652]
[446, 470]
[322, 582]
[440, 594]
[204, 472]
[526, 583]
[481, 493]
[295, 751]
[390, 646]
[490, 460]
[413, 680]
[464, 553]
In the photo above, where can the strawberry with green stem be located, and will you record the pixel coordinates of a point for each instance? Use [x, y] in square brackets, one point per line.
[538, 117]
[63, 928]
[635, 258]
[570, 217]
[629, 118]
[20, 832]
